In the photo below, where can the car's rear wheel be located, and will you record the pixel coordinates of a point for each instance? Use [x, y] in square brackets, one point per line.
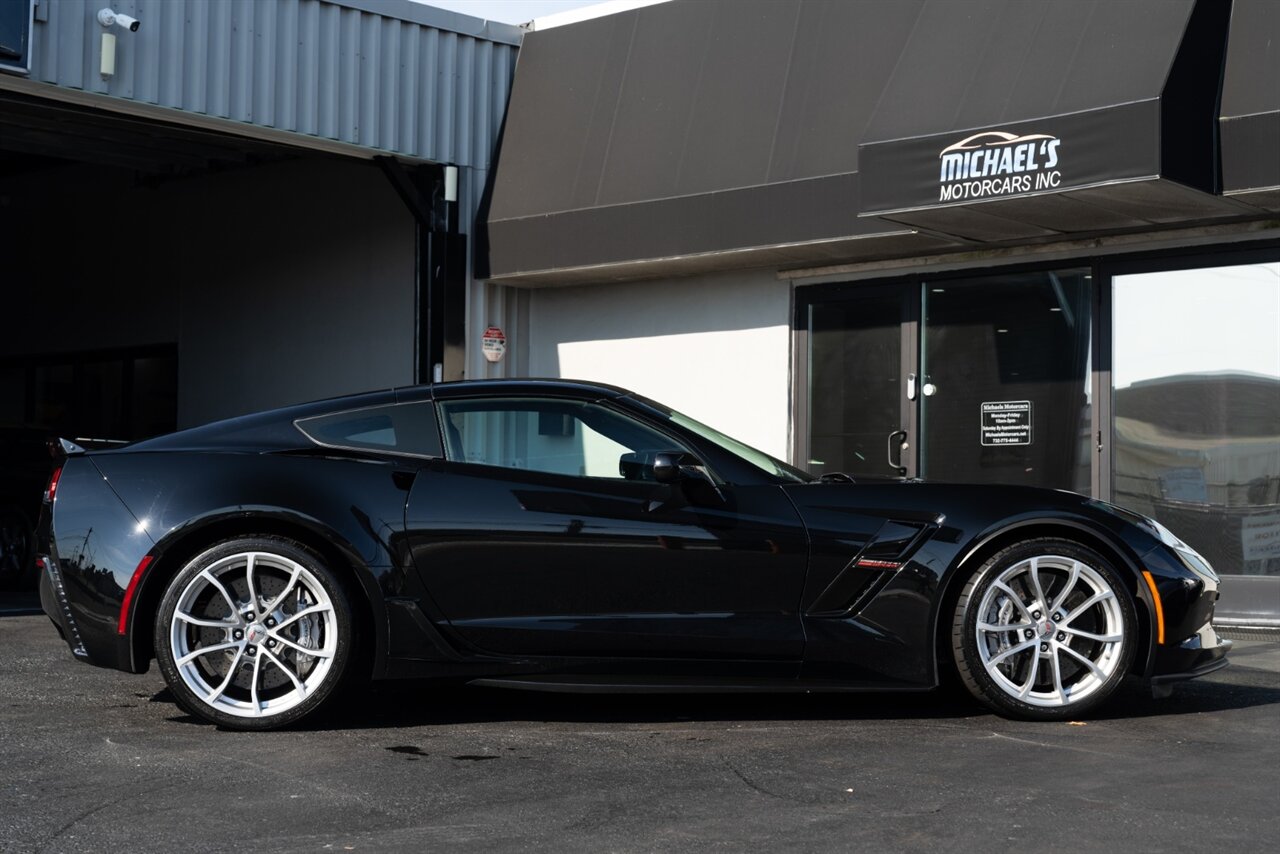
[1044, 630]
[254, 633]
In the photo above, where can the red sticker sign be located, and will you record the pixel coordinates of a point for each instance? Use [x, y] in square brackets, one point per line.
[493, 344]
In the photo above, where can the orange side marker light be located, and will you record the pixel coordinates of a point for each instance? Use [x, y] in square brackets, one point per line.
[1155, 597]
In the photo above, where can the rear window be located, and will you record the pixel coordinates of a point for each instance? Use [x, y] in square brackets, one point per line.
[403, 428]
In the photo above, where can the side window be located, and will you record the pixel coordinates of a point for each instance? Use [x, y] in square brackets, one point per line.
[404, 428]
[561, 437]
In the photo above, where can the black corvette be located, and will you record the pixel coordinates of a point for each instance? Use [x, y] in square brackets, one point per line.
[577, 537]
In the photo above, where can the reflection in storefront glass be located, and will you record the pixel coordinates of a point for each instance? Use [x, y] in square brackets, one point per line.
[1197, 408]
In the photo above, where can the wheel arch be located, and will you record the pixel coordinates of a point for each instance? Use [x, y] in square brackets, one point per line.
[991, 542]
[179, 546]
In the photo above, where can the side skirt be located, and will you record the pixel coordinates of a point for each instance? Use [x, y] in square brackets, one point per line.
[616, 685]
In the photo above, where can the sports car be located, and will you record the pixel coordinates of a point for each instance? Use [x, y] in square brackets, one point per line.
[569, 536]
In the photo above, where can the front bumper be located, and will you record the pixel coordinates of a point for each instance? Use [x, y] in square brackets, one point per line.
[1202, 653]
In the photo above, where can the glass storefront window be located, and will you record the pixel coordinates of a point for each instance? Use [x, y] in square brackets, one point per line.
[981, 379]
[1196, 407]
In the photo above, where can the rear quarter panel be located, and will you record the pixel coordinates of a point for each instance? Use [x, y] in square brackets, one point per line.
[353, 507]
[95, 544]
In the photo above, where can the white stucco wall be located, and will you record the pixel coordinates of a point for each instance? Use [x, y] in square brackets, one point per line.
[715, 347]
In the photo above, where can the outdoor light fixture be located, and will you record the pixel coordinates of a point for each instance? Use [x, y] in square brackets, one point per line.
[451, 183]
[108, 18]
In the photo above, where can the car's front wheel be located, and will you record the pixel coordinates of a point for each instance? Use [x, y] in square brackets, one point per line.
[254, 633]
[1045, 629]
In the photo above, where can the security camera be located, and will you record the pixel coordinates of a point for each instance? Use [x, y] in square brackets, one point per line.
[108, 17]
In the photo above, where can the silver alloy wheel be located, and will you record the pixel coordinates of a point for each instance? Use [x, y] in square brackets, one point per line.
[1050, 631]
[253, 634]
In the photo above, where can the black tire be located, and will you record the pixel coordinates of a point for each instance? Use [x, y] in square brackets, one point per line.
[1000, 643]
[269, 668]
[17, 550]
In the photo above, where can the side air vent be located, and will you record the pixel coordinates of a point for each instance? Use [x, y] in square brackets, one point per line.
[871, 568]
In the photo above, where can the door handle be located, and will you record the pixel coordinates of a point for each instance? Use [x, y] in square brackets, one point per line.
[902, 443]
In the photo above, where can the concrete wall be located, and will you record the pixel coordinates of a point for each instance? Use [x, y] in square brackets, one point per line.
[715, 347]
[280, 283]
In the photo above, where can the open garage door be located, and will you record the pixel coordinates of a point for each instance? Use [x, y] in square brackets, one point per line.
[157, 276]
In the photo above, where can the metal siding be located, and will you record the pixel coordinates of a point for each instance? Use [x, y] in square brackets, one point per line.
[407, 109]
[333, 71]
[446, 103]
[429, 83]
[314, 67]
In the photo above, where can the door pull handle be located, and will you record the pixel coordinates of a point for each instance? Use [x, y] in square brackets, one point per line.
[896, 464]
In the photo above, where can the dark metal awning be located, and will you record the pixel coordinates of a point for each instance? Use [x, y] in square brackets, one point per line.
[711, 134]
[1251, 105]
[1079, 118]
[694, 135]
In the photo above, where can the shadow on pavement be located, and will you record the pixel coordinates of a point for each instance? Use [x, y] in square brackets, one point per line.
[415, 704]
[1196, 696]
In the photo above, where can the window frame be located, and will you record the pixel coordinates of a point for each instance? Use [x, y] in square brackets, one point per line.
[676, 443]
[365, 449]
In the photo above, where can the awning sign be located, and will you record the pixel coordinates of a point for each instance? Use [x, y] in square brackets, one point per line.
[996, 163]
[1027, 158]
[1006, 422]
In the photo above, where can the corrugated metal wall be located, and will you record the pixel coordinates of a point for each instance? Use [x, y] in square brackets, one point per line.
[341, 72]
[323, 69]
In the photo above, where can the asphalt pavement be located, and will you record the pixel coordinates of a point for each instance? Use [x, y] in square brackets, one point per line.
[94, 760]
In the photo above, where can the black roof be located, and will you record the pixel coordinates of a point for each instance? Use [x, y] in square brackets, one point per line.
[525, 385]
[274, 430]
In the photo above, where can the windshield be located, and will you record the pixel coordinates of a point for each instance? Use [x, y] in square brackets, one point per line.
[767, 464]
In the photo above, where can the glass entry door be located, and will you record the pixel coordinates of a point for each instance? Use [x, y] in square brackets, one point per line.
[861, 357]
[1004, 389]
[978, 380]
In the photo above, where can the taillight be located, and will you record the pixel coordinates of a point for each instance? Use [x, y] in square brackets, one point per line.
[51, 491]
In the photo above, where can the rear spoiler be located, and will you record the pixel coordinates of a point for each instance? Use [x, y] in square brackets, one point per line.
[64, 448]
[73, 447]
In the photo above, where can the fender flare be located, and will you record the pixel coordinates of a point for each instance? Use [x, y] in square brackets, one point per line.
[1112, 546]
[157, 570]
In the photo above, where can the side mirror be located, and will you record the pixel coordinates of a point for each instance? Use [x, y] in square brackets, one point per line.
[673, 466]
[689, 474]
[636, 466]
[661, 466]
